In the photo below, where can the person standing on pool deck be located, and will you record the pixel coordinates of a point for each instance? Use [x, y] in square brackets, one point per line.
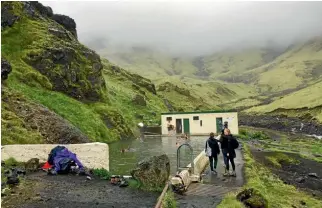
[212, 151]
[228, 143]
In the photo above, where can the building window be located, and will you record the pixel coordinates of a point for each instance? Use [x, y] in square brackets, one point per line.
[200, 122]
[169, 118]
[196, 118]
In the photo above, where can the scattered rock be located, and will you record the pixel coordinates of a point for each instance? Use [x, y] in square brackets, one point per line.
[32, 165]
[153, 172]
[5, 69]
[252, 199]
[300, 180]
[139, 100]
[313, 175]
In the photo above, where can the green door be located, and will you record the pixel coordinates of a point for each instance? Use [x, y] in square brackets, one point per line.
[186, 125]
[219, 125]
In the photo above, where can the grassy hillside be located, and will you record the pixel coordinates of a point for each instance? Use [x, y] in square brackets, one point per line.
[52, 70]
[307, 101]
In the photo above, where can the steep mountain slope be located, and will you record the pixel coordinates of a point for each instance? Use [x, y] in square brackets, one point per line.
[226, 64]
[298, 66]
[59, 91]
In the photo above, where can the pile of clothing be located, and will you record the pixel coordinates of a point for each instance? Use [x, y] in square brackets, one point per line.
[62, 161]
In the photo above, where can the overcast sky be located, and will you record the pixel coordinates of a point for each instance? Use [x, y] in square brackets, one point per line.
[194, 27]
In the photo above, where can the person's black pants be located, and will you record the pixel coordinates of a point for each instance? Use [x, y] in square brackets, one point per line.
[213, 162]
[231, 159]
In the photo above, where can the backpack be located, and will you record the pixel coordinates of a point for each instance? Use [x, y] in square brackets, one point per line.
[53, 153]
[235, 143]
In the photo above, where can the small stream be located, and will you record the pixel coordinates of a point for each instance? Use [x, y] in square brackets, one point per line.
[122, 163]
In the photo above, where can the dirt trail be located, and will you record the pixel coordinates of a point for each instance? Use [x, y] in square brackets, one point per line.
[75, 191]
[213, 187]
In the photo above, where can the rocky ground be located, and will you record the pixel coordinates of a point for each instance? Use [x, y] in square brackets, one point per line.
[41, 190]
[281, 123]
[306, 174]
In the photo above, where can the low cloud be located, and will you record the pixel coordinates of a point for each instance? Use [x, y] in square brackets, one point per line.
[195, 28]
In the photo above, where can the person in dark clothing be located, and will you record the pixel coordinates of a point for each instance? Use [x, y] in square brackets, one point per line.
[224, 127]
[228, 151]
[212, 151]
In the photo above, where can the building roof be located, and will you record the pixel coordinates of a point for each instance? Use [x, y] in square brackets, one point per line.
[200, 112]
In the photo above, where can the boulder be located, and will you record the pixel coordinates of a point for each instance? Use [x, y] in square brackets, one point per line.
[252, 199]
[5, 69]
[153, 172]
[139, 100]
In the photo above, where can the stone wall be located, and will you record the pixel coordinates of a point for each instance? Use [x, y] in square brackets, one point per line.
[91, 155]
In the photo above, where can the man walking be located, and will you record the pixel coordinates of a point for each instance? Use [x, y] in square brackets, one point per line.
[212, 151]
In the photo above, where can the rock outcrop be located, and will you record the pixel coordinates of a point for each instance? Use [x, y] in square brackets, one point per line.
[5, 69]
[67, 22]
[153, 172]
[70, 67]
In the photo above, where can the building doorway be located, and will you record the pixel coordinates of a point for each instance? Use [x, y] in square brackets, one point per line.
[179, 126]
[219, 125]
[186, 126]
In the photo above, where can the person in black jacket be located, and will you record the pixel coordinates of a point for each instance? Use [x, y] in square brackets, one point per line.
[228, 150]
[212, 151]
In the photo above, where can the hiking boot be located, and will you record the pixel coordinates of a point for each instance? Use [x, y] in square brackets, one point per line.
[214, 172]
[233, 173]
[226, 173]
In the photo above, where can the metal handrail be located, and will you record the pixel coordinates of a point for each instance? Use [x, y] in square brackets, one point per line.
[178, 157]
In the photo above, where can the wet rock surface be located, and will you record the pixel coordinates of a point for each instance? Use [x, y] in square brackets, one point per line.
[281, 123]
[153, 172]
[76, 192]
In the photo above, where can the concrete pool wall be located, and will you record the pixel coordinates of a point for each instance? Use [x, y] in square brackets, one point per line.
[91, 155]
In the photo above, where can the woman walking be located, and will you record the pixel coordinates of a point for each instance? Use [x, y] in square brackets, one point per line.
[212, 151]
[228, 146]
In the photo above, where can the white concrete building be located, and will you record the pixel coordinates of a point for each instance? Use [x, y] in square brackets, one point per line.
[198, 123]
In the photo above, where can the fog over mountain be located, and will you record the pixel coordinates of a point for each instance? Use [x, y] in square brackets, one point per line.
[194, 28]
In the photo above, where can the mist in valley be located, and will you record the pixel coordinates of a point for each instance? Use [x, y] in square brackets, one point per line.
[191, 28]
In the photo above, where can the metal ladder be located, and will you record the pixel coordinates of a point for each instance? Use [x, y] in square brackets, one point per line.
[179, 168]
